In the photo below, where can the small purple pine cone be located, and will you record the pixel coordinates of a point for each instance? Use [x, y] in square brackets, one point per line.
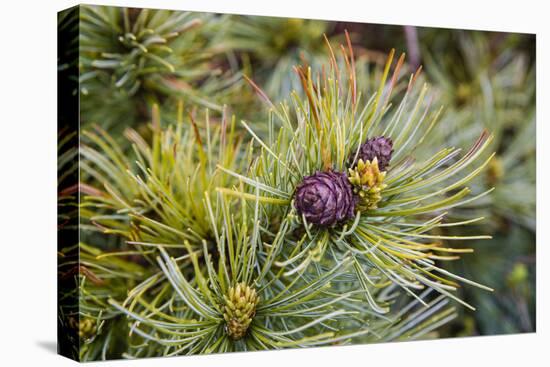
[379, 147]
[325, 198]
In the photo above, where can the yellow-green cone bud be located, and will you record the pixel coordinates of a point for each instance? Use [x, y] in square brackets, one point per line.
[239, 309]
[495, 171]
[86, 327]
[368, 183]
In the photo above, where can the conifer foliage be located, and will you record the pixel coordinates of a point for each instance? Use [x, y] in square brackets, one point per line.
[329, 218]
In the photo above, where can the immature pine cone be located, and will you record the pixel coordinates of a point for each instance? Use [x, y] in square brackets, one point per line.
[368, 182]
[86, 327]
[379, 147]
[495, 171]
[239, 309]
[325, 198]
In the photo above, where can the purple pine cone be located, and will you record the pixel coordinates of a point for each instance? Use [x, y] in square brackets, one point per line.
[379, 147]
[325, 198]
